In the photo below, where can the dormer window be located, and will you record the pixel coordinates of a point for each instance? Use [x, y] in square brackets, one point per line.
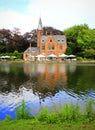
[62, 40]
[58, 40]
[43, 40]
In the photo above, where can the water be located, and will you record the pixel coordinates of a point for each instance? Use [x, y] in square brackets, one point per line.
[44, 85]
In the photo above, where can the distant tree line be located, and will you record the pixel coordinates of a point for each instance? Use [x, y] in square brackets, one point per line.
[13, 40]
[80, 40]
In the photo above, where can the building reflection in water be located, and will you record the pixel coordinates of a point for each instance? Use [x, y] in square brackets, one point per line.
[49, 78]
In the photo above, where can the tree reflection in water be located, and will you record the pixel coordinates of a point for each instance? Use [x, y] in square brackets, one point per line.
[48, 78]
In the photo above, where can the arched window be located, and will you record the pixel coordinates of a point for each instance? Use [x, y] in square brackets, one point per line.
[61, 47]
[48, 47]
[52, 47]
[50, 40]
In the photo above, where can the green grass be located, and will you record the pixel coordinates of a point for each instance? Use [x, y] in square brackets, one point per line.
[69, 117]
[28, 125]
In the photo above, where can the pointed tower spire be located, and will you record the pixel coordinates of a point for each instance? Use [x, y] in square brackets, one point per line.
[39, 32]
[40, 24]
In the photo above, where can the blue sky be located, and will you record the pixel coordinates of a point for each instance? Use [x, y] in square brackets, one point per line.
[60, 14]
[20, 6]
[14, 5]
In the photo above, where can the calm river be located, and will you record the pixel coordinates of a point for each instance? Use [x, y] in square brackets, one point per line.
[44, 85]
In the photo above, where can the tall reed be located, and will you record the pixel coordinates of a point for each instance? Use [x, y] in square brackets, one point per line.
[67, 113]
[22, 112]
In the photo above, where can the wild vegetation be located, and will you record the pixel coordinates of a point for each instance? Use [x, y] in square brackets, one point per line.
[67, 113]
[69, 116]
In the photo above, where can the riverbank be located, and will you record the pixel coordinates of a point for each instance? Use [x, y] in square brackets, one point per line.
[51, 62]
[86, 61]
[29, 125]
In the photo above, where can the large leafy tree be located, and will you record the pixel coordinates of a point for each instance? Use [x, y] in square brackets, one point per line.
[11, 41]
[5, 40]
[79, 38]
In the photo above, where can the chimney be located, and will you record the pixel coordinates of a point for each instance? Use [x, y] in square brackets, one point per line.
[50, 33]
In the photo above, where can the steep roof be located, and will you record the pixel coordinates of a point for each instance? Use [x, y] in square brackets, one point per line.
[61, 39]
[32, 50]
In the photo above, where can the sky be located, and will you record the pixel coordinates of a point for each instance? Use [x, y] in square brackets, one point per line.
[60, 14]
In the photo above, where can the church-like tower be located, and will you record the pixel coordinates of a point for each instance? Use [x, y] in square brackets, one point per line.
[39, 32]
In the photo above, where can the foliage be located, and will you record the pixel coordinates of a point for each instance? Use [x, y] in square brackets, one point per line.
[48, 30]
[22, 112]
[43, 114]
[8, 117]
[67, 113]
[11, 41]
[27, 124]
[17, 54]
[81, 58]
[89, 110]
[89, 53]
[14, 55]
[70, 112]
[79, 39]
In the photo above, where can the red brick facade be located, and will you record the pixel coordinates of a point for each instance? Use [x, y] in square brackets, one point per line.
[50, 44]
[47, 44]
[52, 47]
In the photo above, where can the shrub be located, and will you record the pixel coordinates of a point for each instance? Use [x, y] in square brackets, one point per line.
[89, 110]
[43, 114]
[8, 117]
[67, 113]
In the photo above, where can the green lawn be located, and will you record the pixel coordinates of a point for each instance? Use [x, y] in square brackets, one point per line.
[28, 125]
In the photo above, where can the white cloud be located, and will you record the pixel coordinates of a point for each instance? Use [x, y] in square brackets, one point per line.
[64, 13]
[10, 20]
[60, 14]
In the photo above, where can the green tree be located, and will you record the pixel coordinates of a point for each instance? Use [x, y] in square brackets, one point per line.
[79, 38]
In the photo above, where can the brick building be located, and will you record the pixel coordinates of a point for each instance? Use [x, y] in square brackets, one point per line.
[46, 44]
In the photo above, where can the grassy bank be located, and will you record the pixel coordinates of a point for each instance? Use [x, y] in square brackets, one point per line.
[68, 117]
[29, 125]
